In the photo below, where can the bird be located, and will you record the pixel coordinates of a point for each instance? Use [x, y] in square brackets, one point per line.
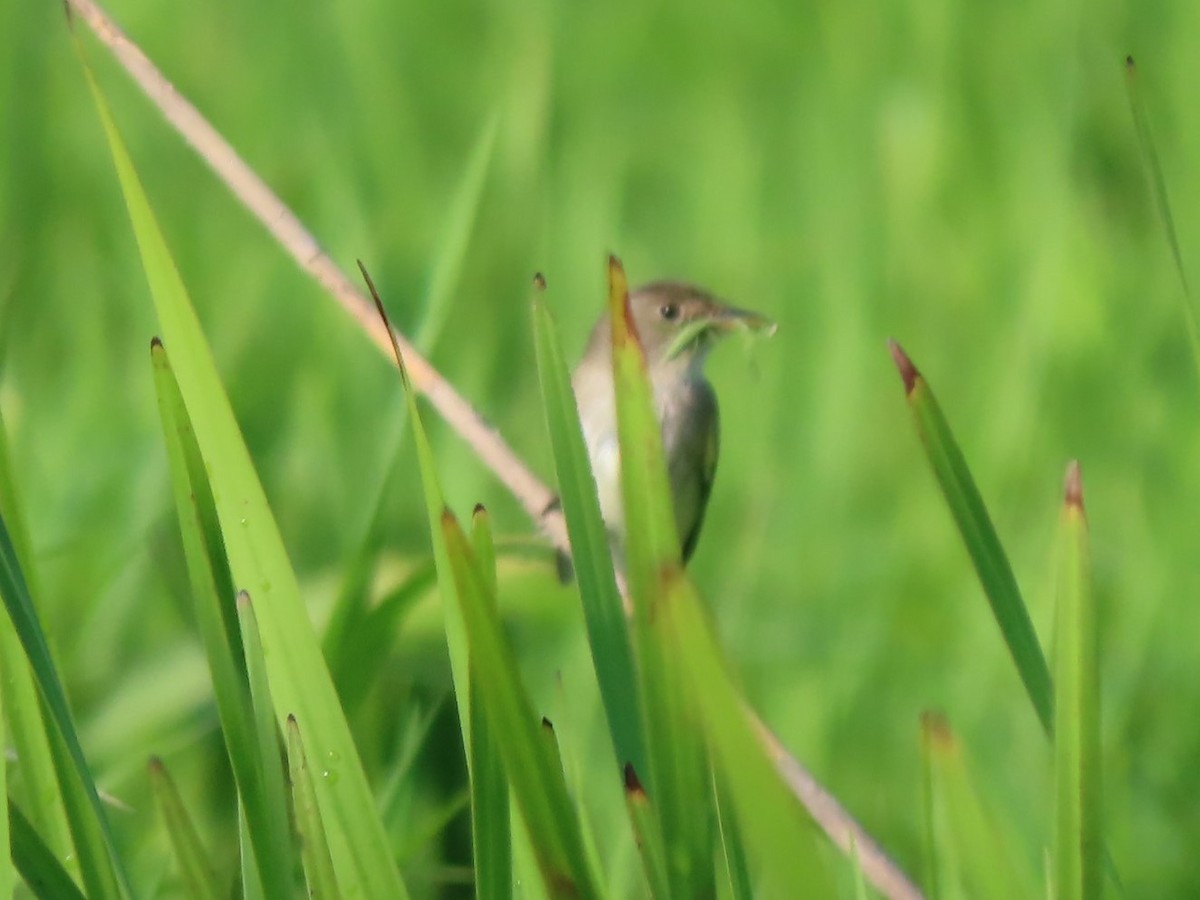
[677, 324]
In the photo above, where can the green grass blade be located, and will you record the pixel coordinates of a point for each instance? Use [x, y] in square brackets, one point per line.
[8, 877]
[456, 640]
[452, 248]
[1079, 843]
[971, 857]
[1162, 202]
[737, 868]
[648, 832]
[199, 877]
[258, 560]
[777, 830]
[37, 863]
[677, 770]
[216, 615]
[490, 834]
[608, 630]
[41, 794]
[314, 848]
[276, 861]
[102, 867]
[533, 768]
[979, 534]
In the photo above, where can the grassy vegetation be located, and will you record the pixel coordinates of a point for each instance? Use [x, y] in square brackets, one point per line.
[965, 179]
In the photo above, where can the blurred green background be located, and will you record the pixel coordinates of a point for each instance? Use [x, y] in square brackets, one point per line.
[963, 177]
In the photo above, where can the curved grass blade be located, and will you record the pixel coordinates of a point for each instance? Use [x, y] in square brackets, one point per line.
[452, 248]
[533, 769]
[22, 704]
[199, 877]
[1079, 844]
[490, 834]
[737, 869]
[648, 832]
[279, 858]
[469, 605]
[217, 618]
[37, 863]
[314, 849]
[608, 629]
[969, 856]
[1162, 202]
[102, 868]
[777, 830]
[258, 560]
[8, 877]
[979, 534]
[456, 640]
[678, 775]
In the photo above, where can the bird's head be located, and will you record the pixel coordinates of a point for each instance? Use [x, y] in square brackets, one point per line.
[678, 323]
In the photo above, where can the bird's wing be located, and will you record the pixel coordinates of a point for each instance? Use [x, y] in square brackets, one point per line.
[707, 424]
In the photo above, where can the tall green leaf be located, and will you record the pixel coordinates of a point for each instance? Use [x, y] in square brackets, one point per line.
[1079, 843]
[199, 877]
[490, 835]
[258, 560]
[679, 781]
[314, 848]
[216, 614]
[608, 628]
[530, 760]
[979, 534]
[968, 855]
[102, 868]
[468, 599]
[36, 862]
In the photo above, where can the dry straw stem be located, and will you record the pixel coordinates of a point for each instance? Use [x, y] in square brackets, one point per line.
[487, 443]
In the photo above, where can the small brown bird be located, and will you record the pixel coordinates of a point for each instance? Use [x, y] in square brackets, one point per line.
[677, 324]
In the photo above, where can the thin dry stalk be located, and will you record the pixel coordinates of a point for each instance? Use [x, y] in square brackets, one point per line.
[883, 874]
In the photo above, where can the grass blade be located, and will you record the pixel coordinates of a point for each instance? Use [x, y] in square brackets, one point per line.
[1162, 202]
[490, 834]
[608, 629]
[777, 829]
[8, 877]
[530, 760]
[677, 770]
[37, 863]
[258, 560]
[275, 857]
[22, 704]
[314, 848]
[970, 857]
[102, 868]
[199, 877]
[1079, 844]
[979, 534]
[468, 598]
[216, 615]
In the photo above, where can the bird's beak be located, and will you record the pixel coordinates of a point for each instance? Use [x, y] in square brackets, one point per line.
[722, 321]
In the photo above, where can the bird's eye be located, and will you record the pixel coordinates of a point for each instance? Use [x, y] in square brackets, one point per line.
[669, 311]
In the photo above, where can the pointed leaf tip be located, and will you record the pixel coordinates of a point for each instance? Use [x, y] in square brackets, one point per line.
[908, 372]
[1129, 63]
[937, 728]
[155, 765]
[155, 343]
[633, 784]
[539, 281]
[480, 510]
[1073, 489]
[291, 720]
[243, 599]
[547, 724]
